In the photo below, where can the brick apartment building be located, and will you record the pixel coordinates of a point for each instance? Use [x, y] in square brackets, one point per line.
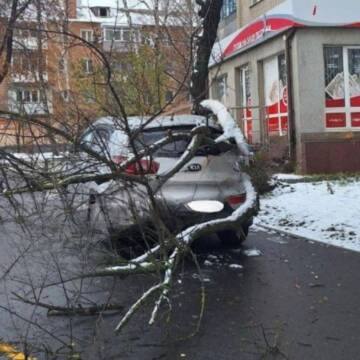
[290, 71]
[55, 75]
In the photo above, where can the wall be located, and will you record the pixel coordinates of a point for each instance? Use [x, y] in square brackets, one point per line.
[228, 25]
[246, 13]
[320, 150]
[253, 59]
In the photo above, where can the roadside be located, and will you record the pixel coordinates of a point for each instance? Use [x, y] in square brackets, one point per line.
[288, 303]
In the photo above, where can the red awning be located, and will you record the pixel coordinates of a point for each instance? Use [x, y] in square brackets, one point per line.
[290, 14]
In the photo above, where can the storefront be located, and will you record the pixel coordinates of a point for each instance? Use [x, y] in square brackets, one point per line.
[296, 70]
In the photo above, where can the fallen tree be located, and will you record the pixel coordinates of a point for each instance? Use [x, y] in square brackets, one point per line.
[165, 256]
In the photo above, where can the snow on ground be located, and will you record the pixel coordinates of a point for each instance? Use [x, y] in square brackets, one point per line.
[288, 177]
[251, 252]
[311, 210]
[236, 266]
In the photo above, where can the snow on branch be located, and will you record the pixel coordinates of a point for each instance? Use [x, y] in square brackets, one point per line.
[230, 128]
[184, 239]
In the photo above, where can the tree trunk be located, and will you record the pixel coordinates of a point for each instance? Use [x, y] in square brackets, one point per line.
[210, 11]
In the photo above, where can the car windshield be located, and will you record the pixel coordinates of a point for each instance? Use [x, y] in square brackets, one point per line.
[174, 149]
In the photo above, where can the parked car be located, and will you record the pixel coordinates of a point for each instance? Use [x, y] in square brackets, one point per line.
[208, 187]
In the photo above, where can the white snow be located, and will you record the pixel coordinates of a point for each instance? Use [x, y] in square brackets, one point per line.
[228, 124]
[35, 157]
[133, 12]
[235, 266]
[288, 177]
[310, 210]
[252, 252]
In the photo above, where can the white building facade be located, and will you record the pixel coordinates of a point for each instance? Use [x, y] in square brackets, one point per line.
[292, 77]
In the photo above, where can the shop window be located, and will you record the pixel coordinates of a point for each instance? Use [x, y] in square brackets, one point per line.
[276, 98]
[220, 88]
[342, 87]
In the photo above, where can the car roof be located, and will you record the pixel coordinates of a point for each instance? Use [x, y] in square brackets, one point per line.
[159, 122]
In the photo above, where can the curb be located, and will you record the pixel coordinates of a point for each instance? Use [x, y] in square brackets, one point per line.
[280, 231]
[310, 240]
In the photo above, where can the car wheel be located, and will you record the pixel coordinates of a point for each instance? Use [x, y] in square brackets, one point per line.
[233, 238]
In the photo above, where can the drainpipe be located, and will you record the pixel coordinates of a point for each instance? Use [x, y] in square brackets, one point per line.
[291, 113]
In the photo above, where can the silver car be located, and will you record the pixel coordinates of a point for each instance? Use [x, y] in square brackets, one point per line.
[208, 187]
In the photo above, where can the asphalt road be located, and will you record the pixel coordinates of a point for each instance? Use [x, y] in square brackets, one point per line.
[298, 300]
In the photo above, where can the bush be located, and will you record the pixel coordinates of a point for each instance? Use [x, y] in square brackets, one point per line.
[260, 172]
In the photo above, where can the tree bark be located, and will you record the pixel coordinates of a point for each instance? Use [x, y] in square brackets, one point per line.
[210, 11]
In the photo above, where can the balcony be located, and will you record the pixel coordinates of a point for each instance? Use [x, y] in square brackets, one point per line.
[29, 77]
[29, 101]
[29, 43]
[30, 108]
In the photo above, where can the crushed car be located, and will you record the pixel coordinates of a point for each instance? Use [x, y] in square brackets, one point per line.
[209, 186]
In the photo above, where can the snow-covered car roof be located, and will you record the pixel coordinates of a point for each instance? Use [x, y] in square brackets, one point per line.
[160, 122]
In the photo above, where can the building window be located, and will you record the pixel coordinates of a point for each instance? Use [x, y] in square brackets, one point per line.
[101, 11]
[26, 33]
[342, 87]
[169, 96]
[28, 96]
[87, 65]
[104, 12]
[87, 35]
[121, 34]
[229, 8]
[65, 94]
[61, 65]
[220, 88]
[28, 62]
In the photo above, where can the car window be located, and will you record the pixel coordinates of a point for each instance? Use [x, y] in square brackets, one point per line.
[177, 148]
[98, 139]
[174, 149]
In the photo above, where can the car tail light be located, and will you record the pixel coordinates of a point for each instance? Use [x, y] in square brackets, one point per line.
[143, 166]
[236, 200]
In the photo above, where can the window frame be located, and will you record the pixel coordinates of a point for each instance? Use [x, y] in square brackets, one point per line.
[88, 32]
[229, 8]
[88, 66]
[132, 35]
[347, 109]
[28, 96]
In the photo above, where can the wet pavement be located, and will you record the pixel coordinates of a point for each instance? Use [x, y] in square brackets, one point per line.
[298, 300]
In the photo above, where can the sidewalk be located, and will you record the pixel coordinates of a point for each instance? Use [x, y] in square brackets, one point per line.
[324, 211]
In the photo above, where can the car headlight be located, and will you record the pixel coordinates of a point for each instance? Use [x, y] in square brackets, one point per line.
[205, 206]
